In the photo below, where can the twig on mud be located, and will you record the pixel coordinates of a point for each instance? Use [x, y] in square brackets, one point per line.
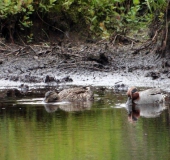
[5, 45]
[126, 38]
[4, 50]
[32, 49]
[154, 37]
[100, 41]
[18, 53]
[118, 82]
[18, 50]
[143, 46]
[130, 39]
[21, 39]
[114, 39]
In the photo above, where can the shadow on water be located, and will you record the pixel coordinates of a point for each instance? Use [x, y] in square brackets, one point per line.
[31, 129]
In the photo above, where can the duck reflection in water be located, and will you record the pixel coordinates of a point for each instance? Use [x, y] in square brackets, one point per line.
[51, 108]
[68, 107]
[144, 110]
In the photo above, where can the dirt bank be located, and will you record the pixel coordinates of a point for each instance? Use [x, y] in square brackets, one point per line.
[100, 64]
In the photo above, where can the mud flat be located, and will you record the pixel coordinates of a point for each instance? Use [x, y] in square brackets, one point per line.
[96, 78]
[101, 64]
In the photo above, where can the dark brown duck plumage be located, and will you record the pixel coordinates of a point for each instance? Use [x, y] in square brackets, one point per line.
[71, 94]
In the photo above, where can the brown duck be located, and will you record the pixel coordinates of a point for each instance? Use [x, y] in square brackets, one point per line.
[71, 94]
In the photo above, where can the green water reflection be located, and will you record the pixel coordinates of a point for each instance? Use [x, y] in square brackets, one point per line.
[102, 132]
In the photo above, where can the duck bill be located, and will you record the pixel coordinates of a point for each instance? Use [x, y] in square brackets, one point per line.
[129, 101]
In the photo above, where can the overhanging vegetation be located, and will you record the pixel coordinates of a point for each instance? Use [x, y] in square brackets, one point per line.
[99, 18]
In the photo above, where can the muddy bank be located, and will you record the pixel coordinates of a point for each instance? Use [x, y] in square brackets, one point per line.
[97, 64]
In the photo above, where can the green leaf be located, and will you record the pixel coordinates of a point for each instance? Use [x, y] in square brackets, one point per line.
[148, 4]
[93, 19]
[135, 2]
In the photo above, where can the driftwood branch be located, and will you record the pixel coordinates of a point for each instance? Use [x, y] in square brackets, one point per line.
[132, 40]
[143, 46]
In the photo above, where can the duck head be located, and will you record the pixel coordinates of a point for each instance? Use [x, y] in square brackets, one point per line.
[51, 96]
[132, 94]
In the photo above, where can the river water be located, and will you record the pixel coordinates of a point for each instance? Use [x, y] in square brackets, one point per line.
[102, 130]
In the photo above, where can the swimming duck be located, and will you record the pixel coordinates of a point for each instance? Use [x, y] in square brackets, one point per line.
[71, 94]
[148, 96]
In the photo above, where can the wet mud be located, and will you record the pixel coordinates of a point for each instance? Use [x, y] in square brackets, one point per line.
[98, 64]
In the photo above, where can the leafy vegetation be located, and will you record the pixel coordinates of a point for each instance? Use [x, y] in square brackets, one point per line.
[100, 18]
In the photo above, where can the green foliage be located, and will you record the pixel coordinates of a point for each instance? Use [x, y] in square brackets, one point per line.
[155, 5]
[106, 17]
[30, 38]
[10, 7]
[45, 6]
[100, 17]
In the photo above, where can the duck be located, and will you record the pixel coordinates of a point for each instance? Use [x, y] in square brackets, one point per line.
[71, 94]
[148, 96]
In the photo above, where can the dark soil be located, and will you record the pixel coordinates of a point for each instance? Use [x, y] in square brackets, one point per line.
[42, 63]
